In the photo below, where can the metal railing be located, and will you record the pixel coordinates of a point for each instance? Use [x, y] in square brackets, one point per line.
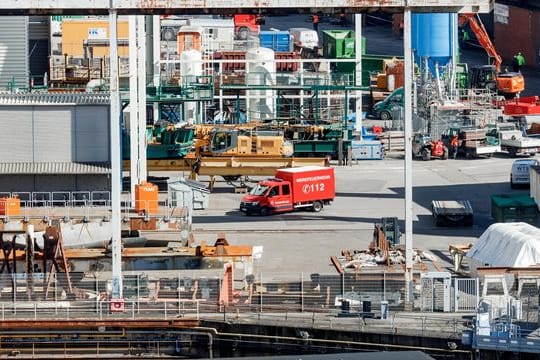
[87, 205]
[315, 300]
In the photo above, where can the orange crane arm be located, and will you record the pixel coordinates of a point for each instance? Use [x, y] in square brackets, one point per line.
[483, 38]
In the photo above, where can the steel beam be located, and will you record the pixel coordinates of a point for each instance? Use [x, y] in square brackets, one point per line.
[133, 7]
[231, 165]
[39, 325]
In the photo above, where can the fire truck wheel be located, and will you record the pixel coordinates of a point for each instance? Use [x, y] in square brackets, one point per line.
[243, 34]
[317, 206]
[264, 211]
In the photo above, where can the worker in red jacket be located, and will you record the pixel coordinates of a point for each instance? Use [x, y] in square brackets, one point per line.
[315, 20]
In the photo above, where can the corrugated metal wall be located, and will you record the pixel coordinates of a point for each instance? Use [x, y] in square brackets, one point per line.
[17, 136]
[13, 51]
[54, 133]
[34, 183]
[93, 183]
[92, 132]
[21, 183]
[55, 183]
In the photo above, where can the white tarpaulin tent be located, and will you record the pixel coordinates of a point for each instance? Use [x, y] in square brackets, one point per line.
[508, 245]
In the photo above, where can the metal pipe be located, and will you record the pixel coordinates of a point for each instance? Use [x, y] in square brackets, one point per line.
[341, 342]
[48, 333]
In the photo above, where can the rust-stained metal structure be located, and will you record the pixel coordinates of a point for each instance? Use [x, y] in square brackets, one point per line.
[154, 7]
[53, 251]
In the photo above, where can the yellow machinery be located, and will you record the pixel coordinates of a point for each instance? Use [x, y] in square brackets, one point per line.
[240, 140]
[232, 151]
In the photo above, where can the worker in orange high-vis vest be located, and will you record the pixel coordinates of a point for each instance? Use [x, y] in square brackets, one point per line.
[454, 144]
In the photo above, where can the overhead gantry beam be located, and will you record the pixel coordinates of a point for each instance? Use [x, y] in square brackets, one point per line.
[155, 7]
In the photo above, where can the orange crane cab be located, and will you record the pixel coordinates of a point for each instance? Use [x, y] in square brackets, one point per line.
[509, 84]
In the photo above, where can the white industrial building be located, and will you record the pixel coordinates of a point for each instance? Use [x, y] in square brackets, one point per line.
[54, 142]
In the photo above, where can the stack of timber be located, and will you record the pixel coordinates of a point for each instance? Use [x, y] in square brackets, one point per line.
[392, 140]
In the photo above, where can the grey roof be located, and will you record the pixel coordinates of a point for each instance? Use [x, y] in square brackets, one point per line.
[55, 99]
[54, 168]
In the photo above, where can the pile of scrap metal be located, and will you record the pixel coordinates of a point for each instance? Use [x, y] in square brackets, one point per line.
[356, 260]
[384, 250]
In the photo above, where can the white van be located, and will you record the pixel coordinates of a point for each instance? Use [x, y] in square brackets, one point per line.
[520, 173]
[304, 38]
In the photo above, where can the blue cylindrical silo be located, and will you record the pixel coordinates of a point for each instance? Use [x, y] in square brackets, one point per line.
[432, 37]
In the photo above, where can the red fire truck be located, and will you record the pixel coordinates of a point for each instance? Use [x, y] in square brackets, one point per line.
[308, 187]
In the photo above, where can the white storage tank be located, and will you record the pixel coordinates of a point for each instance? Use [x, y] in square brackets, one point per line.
[190, 72]
[260, 72]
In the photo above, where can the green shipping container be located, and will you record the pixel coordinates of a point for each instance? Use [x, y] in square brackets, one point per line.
[513, 208]
[319, 148]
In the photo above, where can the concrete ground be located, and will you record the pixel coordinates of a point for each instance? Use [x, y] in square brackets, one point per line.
[367, 191]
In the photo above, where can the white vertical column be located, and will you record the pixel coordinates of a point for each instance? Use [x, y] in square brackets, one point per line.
[408, 154]
[455, 54]
[141, 70]
[156, 51]
[116, 176]
[133, 107]
[358, 70]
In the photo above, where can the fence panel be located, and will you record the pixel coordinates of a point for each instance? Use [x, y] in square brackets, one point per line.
[466, 294]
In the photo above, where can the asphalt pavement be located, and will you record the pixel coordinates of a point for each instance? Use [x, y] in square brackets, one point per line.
[303, 241]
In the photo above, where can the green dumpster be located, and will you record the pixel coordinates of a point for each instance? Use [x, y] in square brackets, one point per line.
[513, 208]
[340, 44]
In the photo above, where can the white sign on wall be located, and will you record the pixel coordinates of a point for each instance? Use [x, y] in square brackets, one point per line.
[97, 33]
[501, 13]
